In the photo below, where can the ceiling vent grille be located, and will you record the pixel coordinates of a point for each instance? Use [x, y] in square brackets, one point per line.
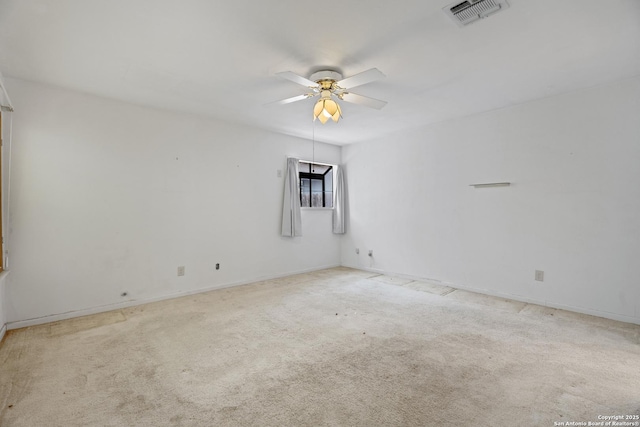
[470, 11]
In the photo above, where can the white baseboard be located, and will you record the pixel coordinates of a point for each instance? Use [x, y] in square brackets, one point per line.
[575, 309]
[132, 303]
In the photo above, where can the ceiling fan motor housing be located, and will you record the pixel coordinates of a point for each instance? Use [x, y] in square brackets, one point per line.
[326, 78]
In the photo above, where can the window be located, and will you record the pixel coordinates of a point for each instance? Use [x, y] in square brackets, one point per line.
[316, 185]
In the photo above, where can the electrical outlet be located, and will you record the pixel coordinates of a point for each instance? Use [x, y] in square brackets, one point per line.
[357, 251]
[181, 270]
[539, 275]
[370, 253]
[217, 266]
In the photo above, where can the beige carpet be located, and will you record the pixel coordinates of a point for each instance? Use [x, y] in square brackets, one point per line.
[336, 347]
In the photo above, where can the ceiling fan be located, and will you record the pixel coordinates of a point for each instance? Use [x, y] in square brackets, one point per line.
[328, 84]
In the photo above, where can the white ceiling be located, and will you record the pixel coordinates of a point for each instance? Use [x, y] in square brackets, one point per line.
[218, 58]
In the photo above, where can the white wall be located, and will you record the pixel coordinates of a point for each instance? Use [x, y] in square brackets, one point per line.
[573, 209]
[109, 197]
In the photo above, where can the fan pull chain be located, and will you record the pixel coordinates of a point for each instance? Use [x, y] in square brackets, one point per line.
[313, 147]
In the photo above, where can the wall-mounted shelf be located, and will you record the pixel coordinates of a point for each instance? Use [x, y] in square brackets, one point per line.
[491, 184]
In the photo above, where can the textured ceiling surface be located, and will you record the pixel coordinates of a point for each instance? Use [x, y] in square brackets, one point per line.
[219, 58]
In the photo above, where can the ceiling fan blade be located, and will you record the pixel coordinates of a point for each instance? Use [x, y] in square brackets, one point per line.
[361, 78]
[290, 100]
[297, 79]
[354, 98]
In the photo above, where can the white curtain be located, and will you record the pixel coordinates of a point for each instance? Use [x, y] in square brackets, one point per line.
[7, 131]
[291, 219]
[338, 203]
[5, 102]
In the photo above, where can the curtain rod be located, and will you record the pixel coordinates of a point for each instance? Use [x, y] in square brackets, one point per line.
[316, 163]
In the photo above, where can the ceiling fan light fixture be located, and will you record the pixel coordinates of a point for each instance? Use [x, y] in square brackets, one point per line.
[326, 108]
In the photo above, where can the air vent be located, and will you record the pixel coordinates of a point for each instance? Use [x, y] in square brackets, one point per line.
[470, 11]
